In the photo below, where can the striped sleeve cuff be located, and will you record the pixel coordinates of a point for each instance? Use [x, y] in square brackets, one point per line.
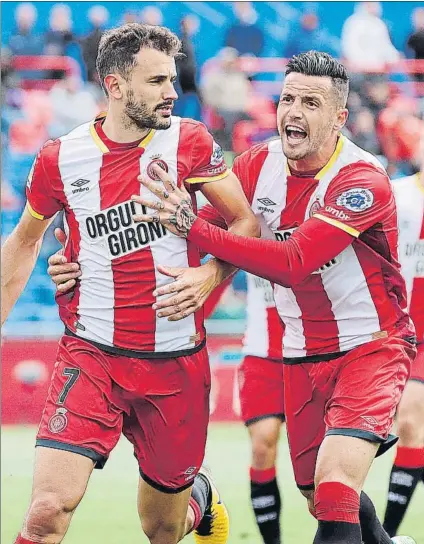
[207, 179]
[35, 214]
[350, 230]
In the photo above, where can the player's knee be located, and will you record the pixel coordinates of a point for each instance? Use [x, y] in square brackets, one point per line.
[47, 515]
[408, 425]
[163, 531]
[264, 450]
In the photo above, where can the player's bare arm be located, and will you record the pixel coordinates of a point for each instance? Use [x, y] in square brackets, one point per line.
[18, 257]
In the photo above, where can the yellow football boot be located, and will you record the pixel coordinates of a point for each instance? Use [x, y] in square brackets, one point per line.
[215, 525]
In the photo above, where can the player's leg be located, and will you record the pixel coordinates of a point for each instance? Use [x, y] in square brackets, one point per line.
[168, 427]
[359, 415]
[60, 480]
[408, 468]
[304, 411]
[262, 409]
[71, 440]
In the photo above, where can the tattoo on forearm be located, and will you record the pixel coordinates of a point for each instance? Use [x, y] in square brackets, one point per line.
[183, 218]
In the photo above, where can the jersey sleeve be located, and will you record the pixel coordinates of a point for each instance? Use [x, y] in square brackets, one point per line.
[42, 198]
[358, 198]
[208, 163]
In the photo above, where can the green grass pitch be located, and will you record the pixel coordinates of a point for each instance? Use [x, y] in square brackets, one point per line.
[108, 514]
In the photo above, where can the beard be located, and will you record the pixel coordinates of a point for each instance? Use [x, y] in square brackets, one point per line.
[140, 115]
[310, 145]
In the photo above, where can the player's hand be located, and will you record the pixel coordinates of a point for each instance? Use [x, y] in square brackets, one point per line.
[173, 207]
[63, 274]
[187, 293]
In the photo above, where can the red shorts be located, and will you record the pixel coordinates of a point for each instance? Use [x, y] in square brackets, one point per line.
[417, 368]
[261, 389]
[161, 406]
[354, 395]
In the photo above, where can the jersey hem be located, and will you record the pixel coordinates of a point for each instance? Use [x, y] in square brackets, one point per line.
[113, 350]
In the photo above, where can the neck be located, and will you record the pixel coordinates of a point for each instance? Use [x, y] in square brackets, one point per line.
[118, 128]
[316, 161]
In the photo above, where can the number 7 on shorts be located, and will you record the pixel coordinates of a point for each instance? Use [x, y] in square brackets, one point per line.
[73, 375]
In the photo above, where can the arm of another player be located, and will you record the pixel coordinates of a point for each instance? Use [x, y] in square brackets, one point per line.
[317, 241]
[18, 257]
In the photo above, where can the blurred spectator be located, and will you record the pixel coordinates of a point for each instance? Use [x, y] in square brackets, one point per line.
[60, 33]
[129, 17]
[8, 199]
[226, 89]
[98, 17]
[24, 41]
[399, 129]
[416, 39]
[366, 41]
[377, 92]
[151, 15]
[311, 35]
[72, 105]
[245, 36]
[188, 104]
[11, 93]
[363, 132]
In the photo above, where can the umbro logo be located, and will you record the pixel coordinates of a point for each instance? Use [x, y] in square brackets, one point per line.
[266, 201]
[80, 182]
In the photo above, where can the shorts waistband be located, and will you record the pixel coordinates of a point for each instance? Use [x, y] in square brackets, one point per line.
[322, 357]
[319, 358]
[113, 350]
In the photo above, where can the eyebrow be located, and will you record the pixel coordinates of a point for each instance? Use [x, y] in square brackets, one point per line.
[314, 96]
[162, 76]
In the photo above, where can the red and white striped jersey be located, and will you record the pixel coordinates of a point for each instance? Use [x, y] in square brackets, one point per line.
[409, 195]
[92, 179]
[358, 296]
[264, 329]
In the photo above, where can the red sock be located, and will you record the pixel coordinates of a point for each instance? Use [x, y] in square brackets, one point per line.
[409, 457]
[262, 476]
[21, 540]
[197, 513]
[336, 502]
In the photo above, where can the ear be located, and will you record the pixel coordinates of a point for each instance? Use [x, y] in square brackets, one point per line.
[113, 84]
[341, 119]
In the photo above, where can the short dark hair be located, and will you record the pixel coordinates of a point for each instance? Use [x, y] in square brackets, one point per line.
[118, 47]
[317, 63]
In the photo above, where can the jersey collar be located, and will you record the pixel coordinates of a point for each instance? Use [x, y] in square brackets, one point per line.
[330, 163]
[102, 145]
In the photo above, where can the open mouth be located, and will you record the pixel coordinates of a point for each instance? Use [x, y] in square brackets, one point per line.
[295, 134]
[165, 110]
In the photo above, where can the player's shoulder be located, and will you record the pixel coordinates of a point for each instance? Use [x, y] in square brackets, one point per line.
[189, 125]
[49, 150]
[357, 157]
[257, 153]
[357, 166]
